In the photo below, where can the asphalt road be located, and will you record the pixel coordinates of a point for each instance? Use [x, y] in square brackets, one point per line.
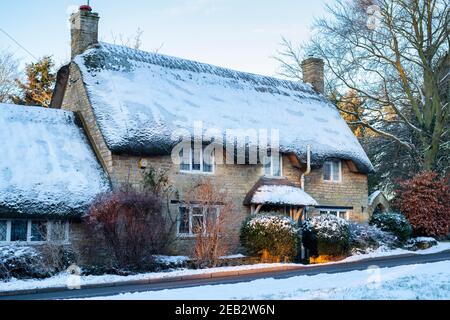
[381, 262]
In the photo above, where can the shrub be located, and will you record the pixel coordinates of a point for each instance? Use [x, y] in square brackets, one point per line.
[395, 223]
[326, 235]
[424, 200]
[278, 235]
[365, 238]
[210, 243]
[131, 227]
[22, 263]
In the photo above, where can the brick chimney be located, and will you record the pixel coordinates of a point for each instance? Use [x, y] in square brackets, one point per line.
[313, 73]
[84, 29]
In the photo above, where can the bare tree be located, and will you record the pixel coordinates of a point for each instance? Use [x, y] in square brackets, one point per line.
[210, 231]
[395, 55]
[8, 73]
[134, 41]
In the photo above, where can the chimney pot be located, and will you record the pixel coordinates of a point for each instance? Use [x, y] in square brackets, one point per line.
[85, 8]
[313, 73]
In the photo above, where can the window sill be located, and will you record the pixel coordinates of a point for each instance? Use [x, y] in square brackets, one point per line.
[186, 236]
[33, 243]
[332, 182]
[197, 173]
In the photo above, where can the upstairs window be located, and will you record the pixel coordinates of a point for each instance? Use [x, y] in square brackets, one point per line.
[198, 161]
[273, 166]
[332, 171]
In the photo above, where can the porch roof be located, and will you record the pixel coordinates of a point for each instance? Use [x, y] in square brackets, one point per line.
[278, 192]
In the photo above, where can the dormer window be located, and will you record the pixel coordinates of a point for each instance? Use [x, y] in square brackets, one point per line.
[198, 161]
[332, 171]
[273, 166]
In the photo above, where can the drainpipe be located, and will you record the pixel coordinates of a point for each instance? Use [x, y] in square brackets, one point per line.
[308, 166]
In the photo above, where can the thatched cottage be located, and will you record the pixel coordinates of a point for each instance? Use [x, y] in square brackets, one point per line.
[129, 103]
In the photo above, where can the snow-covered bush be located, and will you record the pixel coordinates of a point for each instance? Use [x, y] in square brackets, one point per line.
[420, 243]
[365, 238]
[22, 263]
[326, 235]
[395, 223]
[277, 234]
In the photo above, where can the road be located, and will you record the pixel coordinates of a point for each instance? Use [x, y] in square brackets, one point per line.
[381, 262]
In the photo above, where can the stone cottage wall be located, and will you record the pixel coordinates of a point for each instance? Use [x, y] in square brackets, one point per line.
[352, 191]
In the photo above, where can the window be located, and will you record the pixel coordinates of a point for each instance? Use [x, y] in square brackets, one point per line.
[343, 214]
[332, 171]
[3, 230]
[197, 160]
[33, 231]
[273, 166]
[192, 219]
[19, 229]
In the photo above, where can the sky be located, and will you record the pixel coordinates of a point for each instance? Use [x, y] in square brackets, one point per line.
[237, 34]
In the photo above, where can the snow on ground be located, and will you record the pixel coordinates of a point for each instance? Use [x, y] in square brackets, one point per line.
[63, 279]
[383, 252]
[413, 282]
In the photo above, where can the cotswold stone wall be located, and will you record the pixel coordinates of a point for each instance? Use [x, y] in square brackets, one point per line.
[352, 191]
[233, 180]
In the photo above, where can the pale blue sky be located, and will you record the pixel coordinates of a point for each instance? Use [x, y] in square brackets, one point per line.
[238, 34]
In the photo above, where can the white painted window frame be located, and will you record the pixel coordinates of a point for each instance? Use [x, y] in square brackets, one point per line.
[189, 210]
[332, 172]
[28, 241]
[271, 167]
[339, 212]
[191, 164]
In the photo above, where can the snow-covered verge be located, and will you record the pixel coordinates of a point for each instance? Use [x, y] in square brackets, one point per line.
[63, 279]
[384, 252]
[411, 282]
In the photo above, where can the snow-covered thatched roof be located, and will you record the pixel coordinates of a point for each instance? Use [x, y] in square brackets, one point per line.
[141, 98]
[278, 192]
[47, 167]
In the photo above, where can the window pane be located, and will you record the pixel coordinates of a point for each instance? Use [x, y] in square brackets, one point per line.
[196, 159]
[327, 171]
[211, 216]
[197, 220]
[184, 163]
[3, 226]
[183, 221]
[19, 230]
[276, 166]
[336, 171]
[208, 162]
[267, 166]
[38, 231]
[58, 231]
